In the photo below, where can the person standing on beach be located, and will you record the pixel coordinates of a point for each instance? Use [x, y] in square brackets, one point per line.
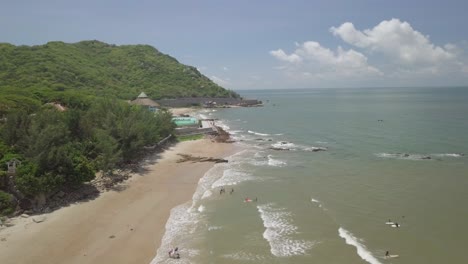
[232, 191]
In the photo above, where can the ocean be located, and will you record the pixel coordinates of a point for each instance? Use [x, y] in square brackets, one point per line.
[318, 174]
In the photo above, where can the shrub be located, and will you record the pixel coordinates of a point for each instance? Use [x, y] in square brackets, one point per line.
[6, 203]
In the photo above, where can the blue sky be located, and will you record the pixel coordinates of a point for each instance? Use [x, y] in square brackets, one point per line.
[269, 44]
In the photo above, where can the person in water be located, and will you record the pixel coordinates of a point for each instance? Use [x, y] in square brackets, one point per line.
[232, 191]
[387, 254]
[396, 224]
[174, 253]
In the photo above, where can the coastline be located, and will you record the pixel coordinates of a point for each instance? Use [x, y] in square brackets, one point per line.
[121, 226]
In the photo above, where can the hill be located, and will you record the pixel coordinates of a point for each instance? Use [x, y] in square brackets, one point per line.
[32, 75]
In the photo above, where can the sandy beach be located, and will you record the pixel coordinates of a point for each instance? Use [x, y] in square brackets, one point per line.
[122, 226]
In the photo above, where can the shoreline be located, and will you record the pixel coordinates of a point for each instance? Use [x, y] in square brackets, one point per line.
[122, 226]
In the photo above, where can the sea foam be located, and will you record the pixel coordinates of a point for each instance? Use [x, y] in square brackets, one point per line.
[182, 222]
[275, 162]
[403, 156]
[232, 176]
[279, 232]
[258, 133]
[245, 256]
[361, 249]
[291, 146]
[450, 155]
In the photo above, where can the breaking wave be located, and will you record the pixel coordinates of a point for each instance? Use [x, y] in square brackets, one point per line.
[361, 249]
[258, 133]
[279, 232]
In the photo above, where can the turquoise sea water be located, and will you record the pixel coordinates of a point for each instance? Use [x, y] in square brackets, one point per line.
[331, 206]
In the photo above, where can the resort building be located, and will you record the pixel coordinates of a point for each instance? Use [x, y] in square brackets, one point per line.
[186, 121]
[145, 101]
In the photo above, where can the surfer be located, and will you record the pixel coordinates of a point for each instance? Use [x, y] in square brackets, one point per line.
[396, 224]
[387, 254]
[232, 191]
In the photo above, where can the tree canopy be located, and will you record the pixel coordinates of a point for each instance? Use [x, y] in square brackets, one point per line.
[97, 129]
[30, 75]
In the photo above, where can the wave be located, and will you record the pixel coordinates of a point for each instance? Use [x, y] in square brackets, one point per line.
[279, 231]
[275, 162]
[450, 155]
[404, 156]
[317, 202]
[182, 221]
[285, 145]
[245, 256]
[361, 249]
[258, 133]
[213, 228]
[201, 208]
[232, 176]
[408, 156]
[321, 142]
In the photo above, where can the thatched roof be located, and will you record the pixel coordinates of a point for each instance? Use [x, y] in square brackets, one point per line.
[143, 99]
[142, 95]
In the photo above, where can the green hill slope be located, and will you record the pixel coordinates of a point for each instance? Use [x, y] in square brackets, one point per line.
[98, 69]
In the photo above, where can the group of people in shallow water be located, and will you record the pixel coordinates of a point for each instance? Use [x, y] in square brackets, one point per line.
[223, 190]
[174, 253]
[247, 199]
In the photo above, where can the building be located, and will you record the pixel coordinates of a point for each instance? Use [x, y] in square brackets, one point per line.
[186, 121]
[145, 101]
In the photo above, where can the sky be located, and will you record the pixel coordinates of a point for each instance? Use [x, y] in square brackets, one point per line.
[248, 44]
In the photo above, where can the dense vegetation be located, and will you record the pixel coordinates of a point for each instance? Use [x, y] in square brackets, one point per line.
[32, 75]
[60, 148]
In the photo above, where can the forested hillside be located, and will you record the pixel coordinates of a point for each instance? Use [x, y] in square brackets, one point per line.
[63, 113]
[31, 75]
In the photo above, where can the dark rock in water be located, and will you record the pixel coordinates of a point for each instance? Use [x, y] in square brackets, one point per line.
[273, 148]
[318, 149]
[270, 139]
[259, 139]
[426, 157]
[284, 142]
[406, 155]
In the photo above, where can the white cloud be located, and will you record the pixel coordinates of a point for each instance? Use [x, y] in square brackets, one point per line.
[220, 81]
[390, 53]
[281, 55]
[398, 41]
[311, 60]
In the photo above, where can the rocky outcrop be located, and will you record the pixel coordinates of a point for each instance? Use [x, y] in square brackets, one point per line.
[187, 157]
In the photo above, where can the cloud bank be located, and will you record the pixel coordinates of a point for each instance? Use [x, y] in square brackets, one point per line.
[388, 50]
